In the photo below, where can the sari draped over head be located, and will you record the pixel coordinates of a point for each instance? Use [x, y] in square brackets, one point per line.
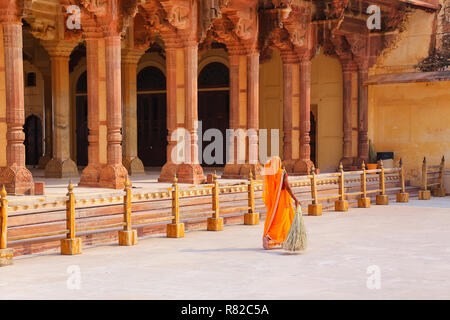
[278, 201]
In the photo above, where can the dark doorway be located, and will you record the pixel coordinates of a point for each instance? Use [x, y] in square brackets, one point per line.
[313, 134]
[33, 140]
[214, 103]
[82, 120]
[151, 116]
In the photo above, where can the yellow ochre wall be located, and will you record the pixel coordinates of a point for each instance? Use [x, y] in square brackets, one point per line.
[413, 121]
[410, 119]
[326, 93]
[271, 99]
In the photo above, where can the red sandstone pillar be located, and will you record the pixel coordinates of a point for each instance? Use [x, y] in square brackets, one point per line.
[16, 177]
[252, 116]
[304, 164]
[232, 167]
[348, 69]
[61, 165]
[170, 168]
[181, 77]
[291, 107]
[131, 161]
[191, 171]
[114, 174]
[363, 116]
[91, 174]
[243, 95]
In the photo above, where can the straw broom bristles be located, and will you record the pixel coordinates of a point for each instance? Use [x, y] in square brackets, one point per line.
[296, 239]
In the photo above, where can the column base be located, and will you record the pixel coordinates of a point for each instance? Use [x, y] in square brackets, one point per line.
[424, 194]
[289, 165]
[382, 200]
[71, 246]
[6, 257]
[439, 192]
[341, 205]
[133, 165]
[186, 173]
[43, 161]
[364, 202]
[128, 238]
[402, 197]
[113, 176]
[315, 210]
[215, 224]
[90, 176]
[303, 166]
[61, 168]
[18, 180]
[242, 171]
[359, 161]
[251, 219]
[347, 163]
[175, 230]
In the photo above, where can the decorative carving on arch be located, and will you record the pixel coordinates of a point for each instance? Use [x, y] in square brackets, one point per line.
[236, 26]
[288, 28]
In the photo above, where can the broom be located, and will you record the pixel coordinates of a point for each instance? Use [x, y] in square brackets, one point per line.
[296, 239]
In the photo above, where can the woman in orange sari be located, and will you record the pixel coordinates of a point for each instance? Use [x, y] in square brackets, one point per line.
[277, 196]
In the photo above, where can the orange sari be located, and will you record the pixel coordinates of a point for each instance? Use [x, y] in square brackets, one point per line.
[278, 201]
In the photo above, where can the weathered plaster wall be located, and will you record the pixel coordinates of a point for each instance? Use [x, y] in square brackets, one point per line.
[411, 46]
[326, 93]
[413, 121]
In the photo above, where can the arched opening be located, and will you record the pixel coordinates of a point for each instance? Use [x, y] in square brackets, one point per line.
[151, 116]
[214, 103]
[82, 120]
[33, 140]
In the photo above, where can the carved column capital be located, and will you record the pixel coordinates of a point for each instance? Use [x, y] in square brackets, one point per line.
[11, 11]
[131, 55]
[59, 48]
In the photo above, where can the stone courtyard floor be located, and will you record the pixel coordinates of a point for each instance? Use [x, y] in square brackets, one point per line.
[409, 244]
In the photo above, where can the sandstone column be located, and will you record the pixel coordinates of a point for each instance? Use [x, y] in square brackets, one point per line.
[304, 164]
[91, 174]
[363, 116]
[252, 164]
[291, 109]
[244, 115]
[181, 77]
[61, 165]
[131, 161]
[16, 177]
[114, 174]
[349, 68]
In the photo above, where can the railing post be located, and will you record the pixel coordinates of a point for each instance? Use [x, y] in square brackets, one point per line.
[341, 204]
[215, 223]
[127, 236]
[252, 217]
[71, 245]
[176, 228]
[424, 193]
[314, 209]
[6, 254]
[382, 198]
[364, 200]
[440, 191]
[402, 196]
